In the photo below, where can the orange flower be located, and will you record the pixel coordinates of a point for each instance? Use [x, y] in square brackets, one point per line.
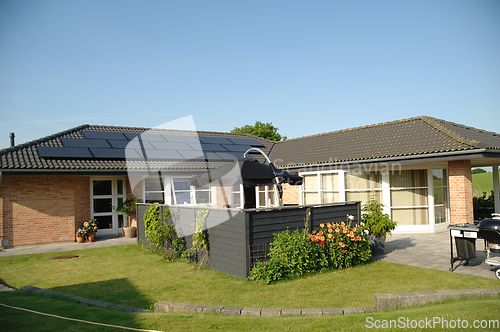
[345, 231]
[329, 236]
[351, 234]
[330, 230]
[321, 225]
[320, 233]
[355, 229]
[329, 225]
[341, 244]
[322, 238]
[337, 230]
[342, 223]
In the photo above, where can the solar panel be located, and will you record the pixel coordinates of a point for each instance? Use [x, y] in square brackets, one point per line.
[208, 147]
[65, 152]
[85, 143]
[170, 145]
[236, 148]
[215, 140]
[149, 137]
[160, 154]
[135, 144]
[131, 136]
[192, 154]
[103, 135]
[230, 155]
[246, 141]
[184, 139]
[108, 153]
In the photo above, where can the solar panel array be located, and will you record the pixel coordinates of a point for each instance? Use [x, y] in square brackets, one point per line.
[115, 145]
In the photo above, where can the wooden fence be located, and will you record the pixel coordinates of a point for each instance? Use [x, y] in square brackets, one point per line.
[239, 237]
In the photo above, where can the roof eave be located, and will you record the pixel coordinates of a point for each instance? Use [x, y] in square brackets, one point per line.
[441, 156]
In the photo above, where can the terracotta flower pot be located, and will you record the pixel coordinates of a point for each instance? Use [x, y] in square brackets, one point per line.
[80, 239]
[129, 232]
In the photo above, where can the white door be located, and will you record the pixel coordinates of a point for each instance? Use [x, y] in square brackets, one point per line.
[106, 195]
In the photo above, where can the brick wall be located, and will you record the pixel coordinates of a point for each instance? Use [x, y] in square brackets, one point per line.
[290, 194]
[221, 196]
[42, 209]
[460, 186]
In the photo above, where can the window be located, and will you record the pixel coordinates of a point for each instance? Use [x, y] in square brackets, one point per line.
[236, 196]
[361, 185]
[183, 193]
[440, 179]
[153, 190]
[175, 191]
[409, 197]
[321, 187]
[265, 196]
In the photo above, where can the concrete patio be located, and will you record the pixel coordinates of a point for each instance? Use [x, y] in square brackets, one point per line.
[433, 251]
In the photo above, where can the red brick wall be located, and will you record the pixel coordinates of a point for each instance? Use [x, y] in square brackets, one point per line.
[460, 182]
[290, 194]
[43, 209]
[221, 196]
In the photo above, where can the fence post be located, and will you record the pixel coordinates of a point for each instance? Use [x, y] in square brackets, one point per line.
[309, 217]
[248, 254]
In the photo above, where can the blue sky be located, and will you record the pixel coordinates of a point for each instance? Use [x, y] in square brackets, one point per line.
[306, 66]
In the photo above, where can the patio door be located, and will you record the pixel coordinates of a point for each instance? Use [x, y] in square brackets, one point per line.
[106, 195]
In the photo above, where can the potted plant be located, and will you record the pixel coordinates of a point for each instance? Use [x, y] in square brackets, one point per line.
[80, 235]
[91, 228]
[376, 225]
[128, 208]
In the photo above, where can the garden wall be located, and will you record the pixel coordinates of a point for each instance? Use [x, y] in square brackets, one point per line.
[239, 237]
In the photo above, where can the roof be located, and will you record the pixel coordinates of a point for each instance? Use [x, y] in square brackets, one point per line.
[419, 136]
[99, 148]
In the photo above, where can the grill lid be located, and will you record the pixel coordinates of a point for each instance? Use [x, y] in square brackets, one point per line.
[490, 225]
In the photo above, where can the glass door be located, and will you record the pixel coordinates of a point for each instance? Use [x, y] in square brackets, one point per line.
[106, 195]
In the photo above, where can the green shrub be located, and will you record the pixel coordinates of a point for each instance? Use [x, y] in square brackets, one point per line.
[332, 246]
[162, 235]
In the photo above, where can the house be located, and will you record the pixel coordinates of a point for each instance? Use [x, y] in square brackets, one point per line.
[419, 168]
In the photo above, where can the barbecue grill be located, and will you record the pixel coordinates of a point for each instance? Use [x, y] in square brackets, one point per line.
[489, 229]
[465, 239]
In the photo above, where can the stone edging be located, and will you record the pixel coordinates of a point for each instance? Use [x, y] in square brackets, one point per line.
[389, 301]
[386, 301]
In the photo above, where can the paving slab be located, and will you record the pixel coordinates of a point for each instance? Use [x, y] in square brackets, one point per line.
[432, 250]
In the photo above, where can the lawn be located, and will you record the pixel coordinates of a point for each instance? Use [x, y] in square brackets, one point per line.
[131, 276]
[482, 182]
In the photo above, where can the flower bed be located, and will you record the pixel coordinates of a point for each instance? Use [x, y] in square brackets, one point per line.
[332, 246]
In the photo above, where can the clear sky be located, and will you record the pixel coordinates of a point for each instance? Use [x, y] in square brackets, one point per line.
[306, 66]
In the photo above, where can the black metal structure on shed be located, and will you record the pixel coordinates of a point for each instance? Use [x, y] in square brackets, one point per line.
[238, 237]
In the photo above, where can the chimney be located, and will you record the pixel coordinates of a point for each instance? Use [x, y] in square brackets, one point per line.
[12, 139]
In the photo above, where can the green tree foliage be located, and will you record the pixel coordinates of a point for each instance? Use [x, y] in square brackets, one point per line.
[264, 130]
[478, 171]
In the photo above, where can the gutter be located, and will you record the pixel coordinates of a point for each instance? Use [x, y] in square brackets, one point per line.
[403, 159]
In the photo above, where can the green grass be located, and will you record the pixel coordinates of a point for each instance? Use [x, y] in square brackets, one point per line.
[131, 276]
[15, 320]
[482, 182]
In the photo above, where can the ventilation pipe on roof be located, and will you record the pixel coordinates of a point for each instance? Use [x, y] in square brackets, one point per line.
[12, 139]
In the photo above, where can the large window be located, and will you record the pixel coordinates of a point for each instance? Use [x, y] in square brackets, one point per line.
[409, 192]
[361, 185]
[320, 188]
[175, 191]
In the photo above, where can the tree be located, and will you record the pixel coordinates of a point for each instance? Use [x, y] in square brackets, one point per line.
[478, 171]
[264, 130]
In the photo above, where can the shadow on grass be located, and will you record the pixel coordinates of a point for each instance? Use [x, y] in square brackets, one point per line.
[2, 282]
[115, 291]
[14, 319]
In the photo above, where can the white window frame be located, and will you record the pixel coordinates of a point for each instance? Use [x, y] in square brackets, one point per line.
[341, 185]
[169, 196]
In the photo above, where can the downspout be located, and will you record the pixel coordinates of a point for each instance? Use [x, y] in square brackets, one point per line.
[276, 180]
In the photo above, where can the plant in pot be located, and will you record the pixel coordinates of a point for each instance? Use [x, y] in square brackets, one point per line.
[81, 233]
[90, 228]
[128, 208]
[376, 224]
